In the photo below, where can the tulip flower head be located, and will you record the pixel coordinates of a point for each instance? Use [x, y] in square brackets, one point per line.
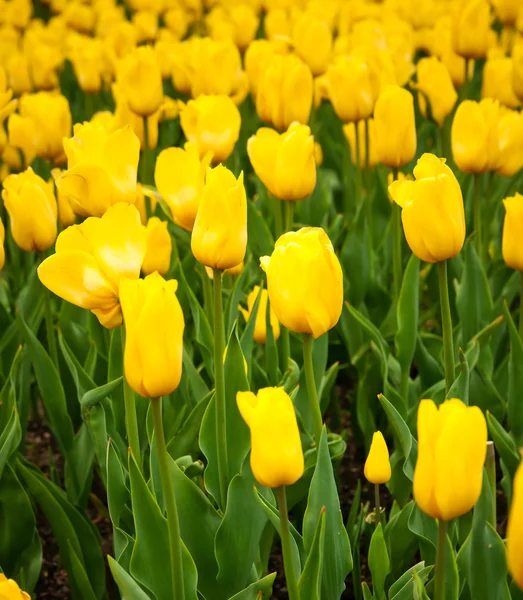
[260, 326]
[512, 232]
[470, 28]
[515, 530]
[377, 468]
[452, 446]
[497, 82]
[312, 42]
[510, 137]
[93, 257]
[10, 591]
[435, 86]
[276, 451]
[432, 210]
[158, 247]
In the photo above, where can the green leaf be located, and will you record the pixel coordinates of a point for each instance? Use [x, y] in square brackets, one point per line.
[425, 528]
[402, 544]
[504, 443]
[186, 439]
[9, 438]
[260, 237]
[379, 563]
[460, 387]
[515, 380]
[452, 588]
[129, 589]
[309, 584]
[407, 314]
[96, 395]
[323, 493]
[396, 590]
[118, 496]
[354, 261]
[253, 591]
[82, 380]
[80, 576]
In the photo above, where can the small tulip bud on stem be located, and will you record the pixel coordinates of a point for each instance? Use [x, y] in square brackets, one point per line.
[285, 535]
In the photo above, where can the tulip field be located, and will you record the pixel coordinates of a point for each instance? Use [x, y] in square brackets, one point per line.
[261, 299]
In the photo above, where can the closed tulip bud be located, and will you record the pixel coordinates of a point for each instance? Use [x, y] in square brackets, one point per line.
[512, 232]
[18, 74]
[277, 23]
[31, 205]
[497, 81]
[377, 466]
[87, 60]
[66, 215]
[260, 326]
[395, 126]
[276, 452]
[285, 162]
[305, 281]
[350, 134]
[515, 530]
[435, 85]
[10, 591]
[146, 24]
[154, 327]
[141, 79]
[312, 42]
[510, 132]
[258, 57]
[212, 123]
[158, 247]
[475, 136]
[93, 257]
[432, 210]
[507, 11]
[285, 92]
[470, 28]
[517, 69]
[452, 446]
[219, 236]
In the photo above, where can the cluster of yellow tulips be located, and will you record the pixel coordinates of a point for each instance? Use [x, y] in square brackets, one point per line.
[221, 196]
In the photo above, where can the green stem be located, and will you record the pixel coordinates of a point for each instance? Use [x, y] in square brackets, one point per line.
[219, 378]
[490, 466]
[368, 203]
[312, 392]
[379, 513]
[146, 153]
[278, 222]
[477, 216]
[131, 420]
[175, 544]
[289, 214]
[396, 243]
[288, 564]
[207, 296]
[446, 321]
[358, 164]
[521, 305]
[441, 551]
[284, 349]
[466, 80]
[49, 329]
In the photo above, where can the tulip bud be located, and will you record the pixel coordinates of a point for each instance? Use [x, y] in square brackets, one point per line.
[93, 257]
[395, 126]
[507, 11]
[377, 466]
[102, 168]
[179, 176]
[497, 81]
[31, 205]
[515, 530]
[87, 60]
[146, 24]
[18, 75]
[212, 123]
[305, 281]
[158, 247]
[517, 69]
[141, 78]
[435, 85]
[312, 42]
[350, 135]
[257, 59]
[285, 163]
[219, 236]
[260, 326]
[9, 589]
[513, 232]
[432, 210]
[276, 452]
[510, 135]
[475, 136]
[452, 446]
[470, 28]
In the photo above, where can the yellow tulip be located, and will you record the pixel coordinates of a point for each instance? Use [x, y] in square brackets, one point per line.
[276, 452]
[515, 530]
[517, 69]
[305, 281]
[513, 232]
[475, 136]
[510, 132]
[452, 446]
[141, 79]
[285, 92]
[257, 58]
[260, 325]
[432, 210]
[87, 60]
[350, 135]
[7, 107]
[9, 590]
[93, 257]
[79, 16]
[102, 169]
[212, 123]
[318, 154]
[470, 28]
[2, 239]
[146, 24]
[177, 21]
[154, 327]
[219, 235]
[395, 127]
[285, 162]
[238, 23]
[507, 11]
[377, 466]
[435, 85]
[443, 48]
[31, 205]
[66, 215]
[179, 176]
[159, 247]
[497, 82]
[312, 42]
[18, 74]
[277, 24]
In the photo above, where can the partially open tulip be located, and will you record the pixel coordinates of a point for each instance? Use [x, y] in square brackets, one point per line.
[179, 176]
[497, 81]
[475, 136]
[312, 42]
[305, 281]
[435, 85]
[515, 530]
[510, 137]
[9, 590]
[260, 326]
[513, 232]
[154, 327]
[470, 28]
[350, 134]
[276, 451]
[432, 210]
[102, 168]
[158, 247]
[377, 468]
[93, 257]
[395, 127]
[285, 92]
[32, 209]
[141, 78]
[452, 446]
[212, 123]
[219, 236]
[285, 162]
